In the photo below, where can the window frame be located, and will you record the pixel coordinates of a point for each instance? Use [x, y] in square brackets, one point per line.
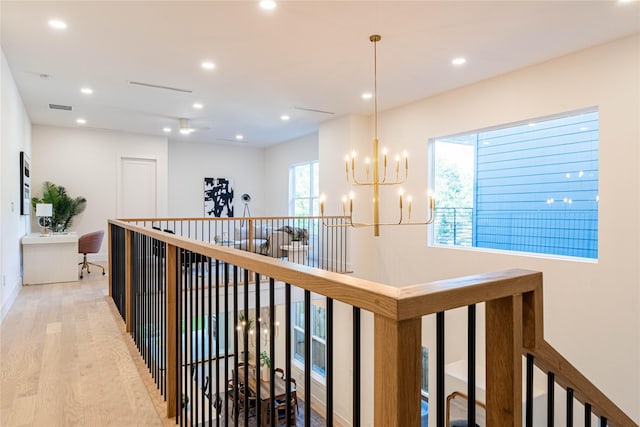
[431, 151]
[299, 361]
[313, 199]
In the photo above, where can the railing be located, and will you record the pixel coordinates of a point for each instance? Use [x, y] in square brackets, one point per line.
[301, 239]
[566, 231]
[205, 358]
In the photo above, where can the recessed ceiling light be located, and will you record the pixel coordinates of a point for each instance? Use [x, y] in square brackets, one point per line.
[57, 24]
[186, 131]
[532, 124]
[208, 65]
[284, 117]
[367, 95]
[86, 90]
[268, 4]
[239, 137]
[458, 61]
[166, 130]
[81, 121]
[197, 106]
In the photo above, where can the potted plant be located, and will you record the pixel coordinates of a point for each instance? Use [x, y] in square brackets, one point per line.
[265, 360]
[64, 206]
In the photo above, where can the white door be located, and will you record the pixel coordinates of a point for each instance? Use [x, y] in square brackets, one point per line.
[137, 188]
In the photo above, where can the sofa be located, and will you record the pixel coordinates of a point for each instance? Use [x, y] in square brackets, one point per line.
[267, 240]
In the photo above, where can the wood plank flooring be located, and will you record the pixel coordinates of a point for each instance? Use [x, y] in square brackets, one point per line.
[65, 360]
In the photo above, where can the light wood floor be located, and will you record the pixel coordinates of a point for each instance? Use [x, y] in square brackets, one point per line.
[65, 360]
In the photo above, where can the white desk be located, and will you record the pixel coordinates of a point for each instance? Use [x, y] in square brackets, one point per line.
[49, 259]
[296, 253]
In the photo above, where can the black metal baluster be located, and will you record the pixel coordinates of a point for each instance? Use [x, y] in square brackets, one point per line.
[236, 388]
[245, 334]
[587, 415]
[307, 359]
[258, 334]
[440, 398]
[203, 329]
[217, 335]
[356, 367]
[287, 321]
[551, 385]
[226, 342]
[190, 367]
[329, 336]
[603, 421]
[471, 365]
[529, 387]
[569, 406]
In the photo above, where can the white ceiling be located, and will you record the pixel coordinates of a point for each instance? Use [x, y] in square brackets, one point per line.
[310, 54]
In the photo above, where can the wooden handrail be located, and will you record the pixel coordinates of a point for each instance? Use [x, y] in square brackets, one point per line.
[514, 326]
[567, 376]
[388, 301]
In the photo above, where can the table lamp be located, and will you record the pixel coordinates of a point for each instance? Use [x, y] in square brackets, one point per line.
[44, 212]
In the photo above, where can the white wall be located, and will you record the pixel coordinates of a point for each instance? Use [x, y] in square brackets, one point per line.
[191, 162]
[592, 309]
[85, 162]
[277, 159]
[15, 136]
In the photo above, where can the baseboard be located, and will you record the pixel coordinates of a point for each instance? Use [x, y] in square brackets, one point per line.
[11, 298]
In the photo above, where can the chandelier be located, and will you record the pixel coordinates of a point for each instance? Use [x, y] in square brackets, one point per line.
[378, 180]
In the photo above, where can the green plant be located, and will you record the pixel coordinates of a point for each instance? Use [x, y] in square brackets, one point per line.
[264, 357]
[64, 207]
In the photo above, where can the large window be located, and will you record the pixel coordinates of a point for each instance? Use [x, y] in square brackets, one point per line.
[529, 187]
[304, 189]
[318, 337]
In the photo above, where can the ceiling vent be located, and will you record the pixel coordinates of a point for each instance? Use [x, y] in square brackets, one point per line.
[314, 110]
[60, 107]
[154, 86]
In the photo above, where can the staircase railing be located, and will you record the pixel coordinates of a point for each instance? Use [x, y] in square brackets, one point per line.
[184, 302]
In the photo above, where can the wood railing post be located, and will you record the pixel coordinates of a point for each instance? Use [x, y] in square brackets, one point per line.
[128, 283]
[250, 235]
[171, 295]
[397, 372]
[504, 361]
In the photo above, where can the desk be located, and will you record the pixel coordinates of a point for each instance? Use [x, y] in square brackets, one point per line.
[296, 253]
[49, 259]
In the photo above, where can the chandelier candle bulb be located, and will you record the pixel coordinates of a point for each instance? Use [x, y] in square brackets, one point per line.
[409, 198]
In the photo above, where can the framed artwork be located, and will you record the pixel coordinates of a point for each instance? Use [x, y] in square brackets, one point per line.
[25, 184]
[218, 197]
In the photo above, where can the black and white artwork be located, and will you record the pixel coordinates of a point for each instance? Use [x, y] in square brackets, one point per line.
[25, 184]
[218, 197]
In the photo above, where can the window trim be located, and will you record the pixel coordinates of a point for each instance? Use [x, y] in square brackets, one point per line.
[311, 198]
[300, 364]
[431, 184]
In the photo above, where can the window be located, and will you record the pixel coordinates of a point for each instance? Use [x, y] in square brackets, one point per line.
[304, 189]
[318, 337]
[425, 372]
[529, 187]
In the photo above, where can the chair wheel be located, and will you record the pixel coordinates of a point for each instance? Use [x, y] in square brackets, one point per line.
[81, 276]
[103, 273]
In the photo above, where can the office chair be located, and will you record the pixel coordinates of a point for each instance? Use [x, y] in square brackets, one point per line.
[90, 244]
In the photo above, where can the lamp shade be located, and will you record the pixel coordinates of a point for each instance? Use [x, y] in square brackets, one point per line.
[44, 209]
